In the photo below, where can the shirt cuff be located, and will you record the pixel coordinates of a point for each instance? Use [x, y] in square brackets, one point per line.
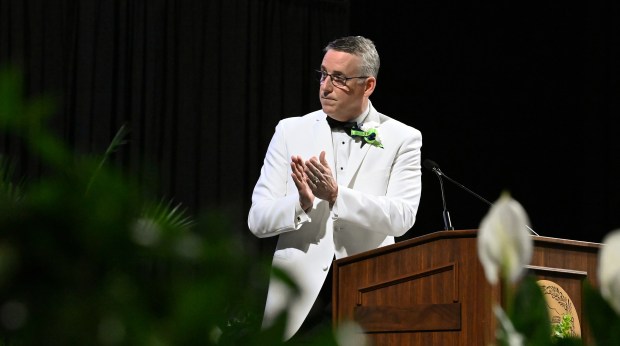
[334, 211]
[300, 216]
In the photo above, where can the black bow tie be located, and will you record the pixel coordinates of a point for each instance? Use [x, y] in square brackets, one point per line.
[345, 125]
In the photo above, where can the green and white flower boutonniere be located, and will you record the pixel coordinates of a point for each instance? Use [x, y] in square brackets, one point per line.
[369, 132]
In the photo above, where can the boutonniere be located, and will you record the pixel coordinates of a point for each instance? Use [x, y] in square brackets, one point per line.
[369, 132]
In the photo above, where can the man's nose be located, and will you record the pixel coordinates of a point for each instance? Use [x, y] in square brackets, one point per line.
[327, 86]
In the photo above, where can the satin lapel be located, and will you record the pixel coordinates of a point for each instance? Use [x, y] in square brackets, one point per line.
[355, 160]
[323, 135]
[358, 152]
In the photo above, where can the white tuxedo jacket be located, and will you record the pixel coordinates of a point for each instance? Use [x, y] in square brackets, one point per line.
[378, 202]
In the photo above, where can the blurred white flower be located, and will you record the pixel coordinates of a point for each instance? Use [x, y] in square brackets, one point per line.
[507, 331]
[350, 333]
[609, 269]
[504, 243]
[145, 231]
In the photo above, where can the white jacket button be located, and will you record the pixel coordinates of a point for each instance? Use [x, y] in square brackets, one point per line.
[325, 268]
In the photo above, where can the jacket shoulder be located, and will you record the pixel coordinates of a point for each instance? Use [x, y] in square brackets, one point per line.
[392, 125]
[304, 120]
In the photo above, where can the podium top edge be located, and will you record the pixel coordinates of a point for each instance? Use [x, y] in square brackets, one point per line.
[539, 241]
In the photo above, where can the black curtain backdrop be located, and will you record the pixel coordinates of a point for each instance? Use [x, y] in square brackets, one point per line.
[509, 96]
[200, 84]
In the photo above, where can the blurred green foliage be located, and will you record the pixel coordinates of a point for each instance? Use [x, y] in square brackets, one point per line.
[603, 320]
[87, 259]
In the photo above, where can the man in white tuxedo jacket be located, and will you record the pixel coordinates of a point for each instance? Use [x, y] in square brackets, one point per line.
[328, 194]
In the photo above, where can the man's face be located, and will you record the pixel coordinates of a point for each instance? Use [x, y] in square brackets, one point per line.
[344, 102]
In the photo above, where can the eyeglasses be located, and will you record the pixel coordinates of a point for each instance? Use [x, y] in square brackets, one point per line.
[339, 80]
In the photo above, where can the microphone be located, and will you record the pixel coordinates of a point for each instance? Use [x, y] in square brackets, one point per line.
[433, 166]
[429, 164]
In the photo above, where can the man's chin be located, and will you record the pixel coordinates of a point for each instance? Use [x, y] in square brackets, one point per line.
[328, 109]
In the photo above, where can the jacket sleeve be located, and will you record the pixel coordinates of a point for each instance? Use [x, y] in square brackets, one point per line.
[275, 205]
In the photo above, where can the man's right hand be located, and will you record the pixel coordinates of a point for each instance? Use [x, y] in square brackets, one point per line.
[306, 197]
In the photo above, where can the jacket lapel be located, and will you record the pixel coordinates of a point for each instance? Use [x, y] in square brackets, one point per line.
[358, 152]
[323, 134]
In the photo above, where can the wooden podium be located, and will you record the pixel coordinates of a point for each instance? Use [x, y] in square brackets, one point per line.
[431, 290]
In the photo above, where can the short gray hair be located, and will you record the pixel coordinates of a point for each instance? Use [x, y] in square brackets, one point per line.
[359, 46]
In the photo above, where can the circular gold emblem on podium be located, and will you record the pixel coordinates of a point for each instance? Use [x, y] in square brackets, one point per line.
[559, 305]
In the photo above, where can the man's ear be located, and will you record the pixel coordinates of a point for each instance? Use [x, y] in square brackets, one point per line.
[369, 86]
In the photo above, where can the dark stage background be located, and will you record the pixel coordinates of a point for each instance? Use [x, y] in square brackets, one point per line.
[512, 96]
[509, 96]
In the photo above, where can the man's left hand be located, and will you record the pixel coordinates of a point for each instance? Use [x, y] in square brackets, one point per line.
[320, 179]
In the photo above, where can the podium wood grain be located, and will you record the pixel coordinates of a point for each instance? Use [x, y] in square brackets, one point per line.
[431, 290]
